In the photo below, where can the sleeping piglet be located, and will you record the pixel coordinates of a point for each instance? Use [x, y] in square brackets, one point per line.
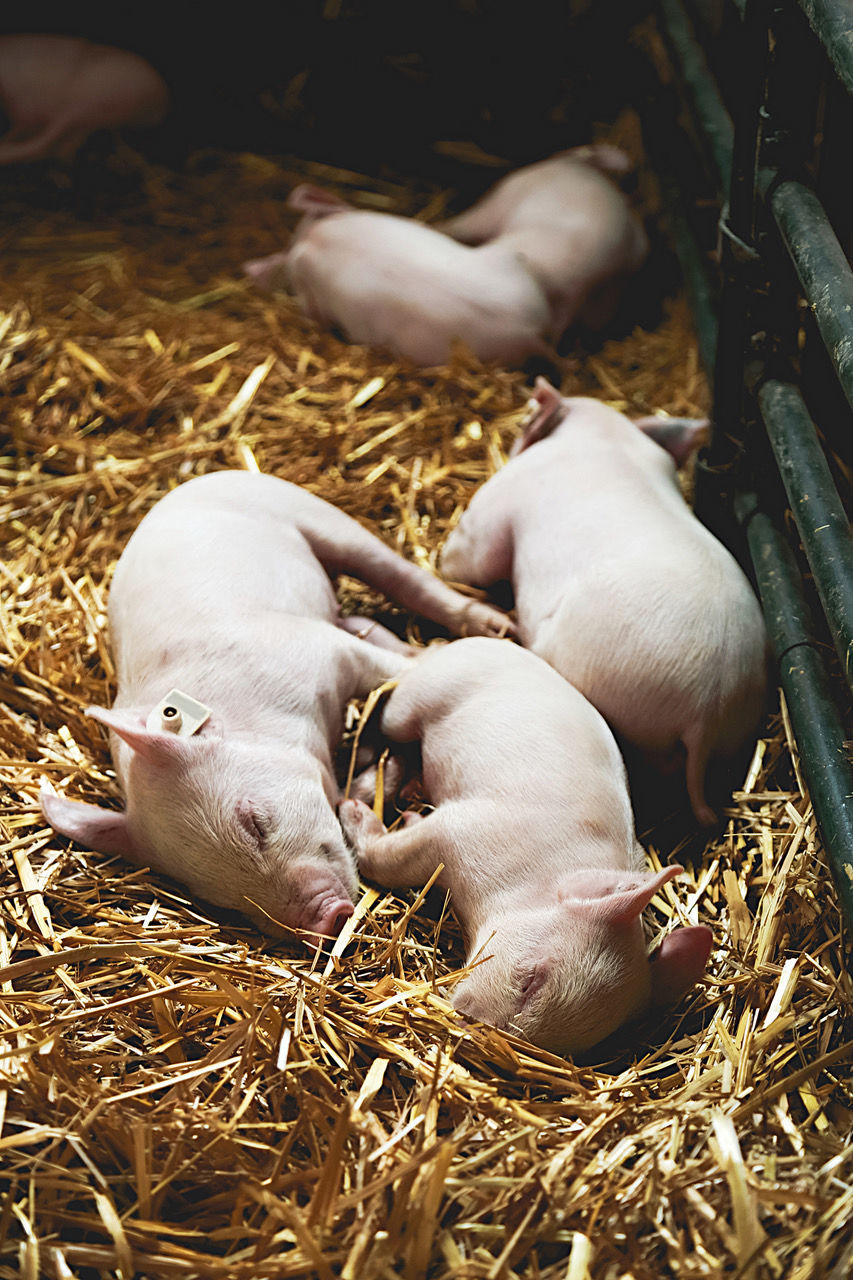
[400, 284]
[533, 824]
[55, 90]
[571, 225]
[224, 594]
[620, 588]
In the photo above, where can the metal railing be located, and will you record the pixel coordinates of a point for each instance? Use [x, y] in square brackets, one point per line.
[783, 281]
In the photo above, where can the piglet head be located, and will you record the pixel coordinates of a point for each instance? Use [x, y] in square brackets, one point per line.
[274, 271]
[567, 976]
[271, 272]
[244, 823]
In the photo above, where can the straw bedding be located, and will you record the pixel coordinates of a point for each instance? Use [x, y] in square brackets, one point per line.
[180, 1097]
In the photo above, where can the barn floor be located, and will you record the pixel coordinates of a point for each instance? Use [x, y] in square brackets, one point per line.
[180, 1097]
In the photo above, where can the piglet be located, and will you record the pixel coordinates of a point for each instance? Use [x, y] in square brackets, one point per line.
[571, 225]
[533, 825]
[397, 283]
[56, 90]
[620, 588]
[223, 593]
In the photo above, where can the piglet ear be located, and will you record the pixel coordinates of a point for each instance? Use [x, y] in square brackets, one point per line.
[131, 728]
[546, 411]
[602, 156]
[616, 897]
[104, 830]
[679, 436]
[315, 201]
[679, 962]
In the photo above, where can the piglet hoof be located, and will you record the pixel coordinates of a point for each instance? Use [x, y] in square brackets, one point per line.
[364, 784]
[485, 620]
[374, 633]
[363, 787]
[411, 792]
[359, 823]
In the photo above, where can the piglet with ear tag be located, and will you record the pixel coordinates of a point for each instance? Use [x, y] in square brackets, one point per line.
[234, 673]
[533, 825]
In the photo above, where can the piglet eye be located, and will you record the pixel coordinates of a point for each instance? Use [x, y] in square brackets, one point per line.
[532, 981]
[254, 823]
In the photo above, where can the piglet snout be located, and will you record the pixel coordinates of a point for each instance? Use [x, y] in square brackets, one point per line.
[471, 1005]
[325, 914]
[333, 917]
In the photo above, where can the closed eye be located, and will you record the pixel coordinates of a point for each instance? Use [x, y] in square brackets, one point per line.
[255, 824]
[526, 981]
[533, 980]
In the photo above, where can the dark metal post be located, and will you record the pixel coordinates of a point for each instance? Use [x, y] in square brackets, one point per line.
[814, 717]
[741, 276]
[823, 270]
[832, 23]
[820, 516]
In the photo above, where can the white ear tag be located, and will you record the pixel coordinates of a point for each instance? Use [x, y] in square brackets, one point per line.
[178, 713]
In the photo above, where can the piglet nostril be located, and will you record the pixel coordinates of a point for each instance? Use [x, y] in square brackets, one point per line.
[340, 920]
[333, 918]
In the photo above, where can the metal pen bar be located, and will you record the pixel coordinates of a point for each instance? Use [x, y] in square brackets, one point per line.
[832, 23]
[700, 293]
[670, 155]
[814, 716]
[816, 506]
[701, 88]
[741, 271]
[823, 270]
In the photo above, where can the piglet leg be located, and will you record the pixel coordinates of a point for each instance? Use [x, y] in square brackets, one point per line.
[364, 784]
[374, 633]
[397, 859]
[343, 546]
[479, 550]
